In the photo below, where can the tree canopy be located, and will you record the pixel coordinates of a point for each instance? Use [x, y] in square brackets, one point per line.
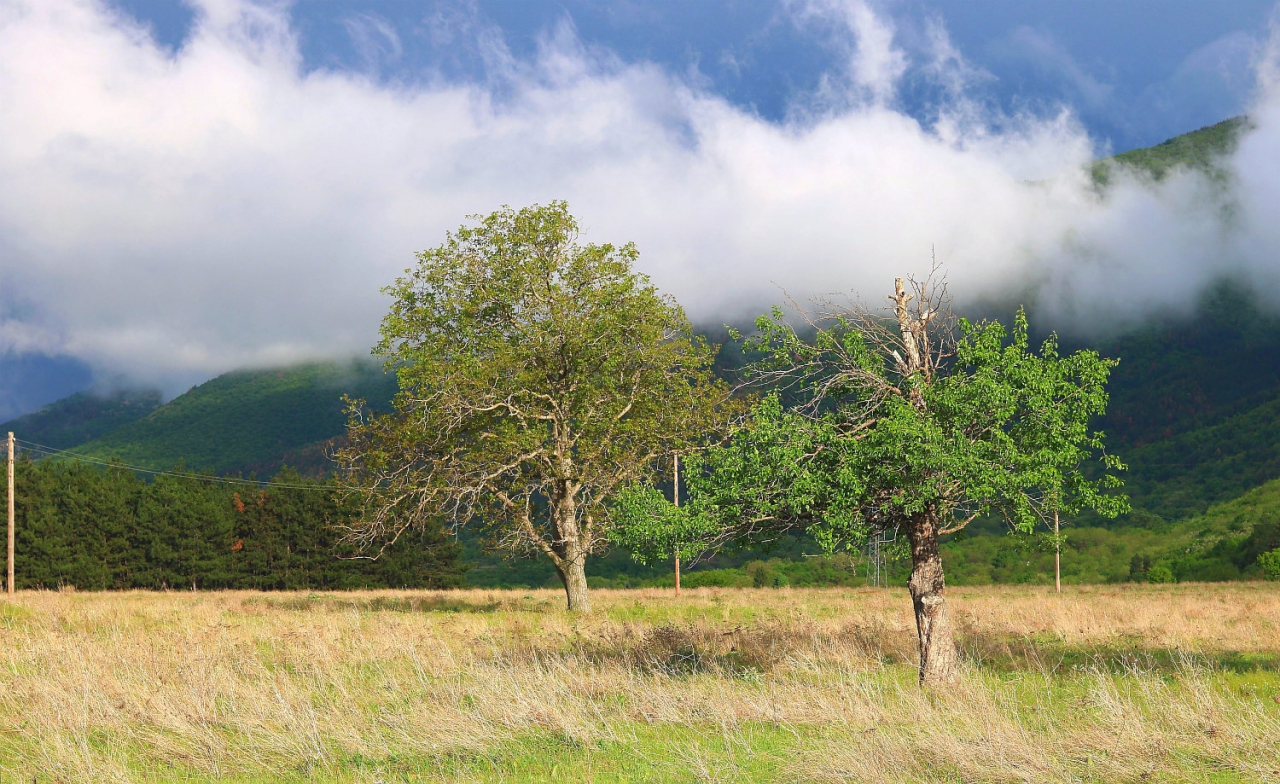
[537, 376]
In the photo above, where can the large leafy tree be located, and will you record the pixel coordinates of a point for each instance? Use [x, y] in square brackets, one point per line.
[911, 421]
[537, 376]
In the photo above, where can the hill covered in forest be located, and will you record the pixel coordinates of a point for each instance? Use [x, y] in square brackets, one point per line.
[83, 417]
[1201, 150]
[243, 422]
[1195, 403]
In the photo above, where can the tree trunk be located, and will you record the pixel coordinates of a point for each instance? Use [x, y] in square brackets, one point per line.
[939, 659]
[574, 576]
[569, 548]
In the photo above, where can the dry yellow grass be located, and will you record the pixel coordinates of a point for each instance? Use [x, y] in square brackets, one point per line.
[1130, 683]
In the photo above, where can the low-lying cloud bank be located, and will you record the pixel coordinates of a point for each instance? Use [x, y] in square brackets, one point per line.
[164, 214]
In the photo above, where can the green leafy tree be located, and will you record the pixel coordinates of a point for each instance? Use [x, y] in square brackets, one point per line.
[537, 376]
[287, 538]
[99, 528]
[653, 529]
[74, 524]
[184, 533]
[915, 422]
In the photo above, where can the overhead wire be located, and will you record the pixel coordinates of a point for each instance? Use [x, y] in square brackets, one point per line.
[49, 451]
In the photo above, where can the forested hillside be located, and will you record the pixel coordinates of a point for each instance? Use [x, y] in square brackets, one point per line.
[82, 417]
[1201, 149]
[1182, 373]
[1195, 403]
[1195, 429]
[249, 421]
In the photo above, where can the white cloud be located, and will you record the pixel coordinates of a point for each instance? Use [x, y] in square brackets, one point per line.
[173, 213]
[875, 63]
[374, 39]
[1046, 54]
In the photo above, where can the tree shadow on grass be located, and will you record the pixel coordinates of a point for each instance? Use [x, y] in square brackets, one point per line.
[1008, 653]
[427, 603]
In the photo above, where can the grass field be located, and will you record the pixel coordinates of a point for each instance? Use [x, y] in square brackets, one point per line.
[1108, 684]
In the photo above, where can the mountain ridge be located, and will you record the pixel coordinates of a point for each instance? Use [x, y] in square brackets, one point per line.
[248, 421]
[82, 417]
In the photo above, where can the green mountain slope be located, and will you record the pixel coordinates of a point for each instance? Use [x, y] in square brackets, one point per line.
[1195, 405]
[249, 421]
[1180, 374]
[82, 417]
[1201, 149]
[1223, 543]
[1184, 475]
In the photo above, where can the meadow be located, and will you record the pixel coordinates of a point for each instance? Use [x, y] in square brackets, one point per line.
[1102, 683]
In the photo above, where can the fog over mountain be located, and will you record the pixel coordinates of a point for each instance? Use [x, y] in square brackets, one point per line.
[171, 213]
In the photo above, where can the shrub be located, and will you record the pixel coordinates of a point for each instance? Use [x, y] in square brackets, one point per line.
[1160, 574]
[717, 578]
[1138, 568]
[1270, 563]
[766, 575]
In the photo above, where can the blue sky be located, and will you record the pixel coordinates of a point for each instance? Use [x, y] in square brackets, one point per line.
[1135, 71]
[191, 188]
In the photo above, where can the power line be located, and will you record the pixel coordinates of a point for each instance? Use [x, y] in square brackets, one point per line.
[49, 451]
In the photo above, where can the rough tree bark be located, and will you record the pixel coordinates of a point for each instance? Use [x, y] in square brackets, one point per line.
[573, 573]
[939, 659]
[571, 543]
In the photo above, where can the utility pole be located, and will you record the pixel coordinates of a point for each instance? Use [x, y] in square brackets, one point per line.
[1057, 554]
[9, 582]
[675, 495]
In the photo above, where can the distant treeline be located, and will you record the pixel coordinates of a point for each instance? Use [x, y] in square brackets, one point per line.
[91, 528]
